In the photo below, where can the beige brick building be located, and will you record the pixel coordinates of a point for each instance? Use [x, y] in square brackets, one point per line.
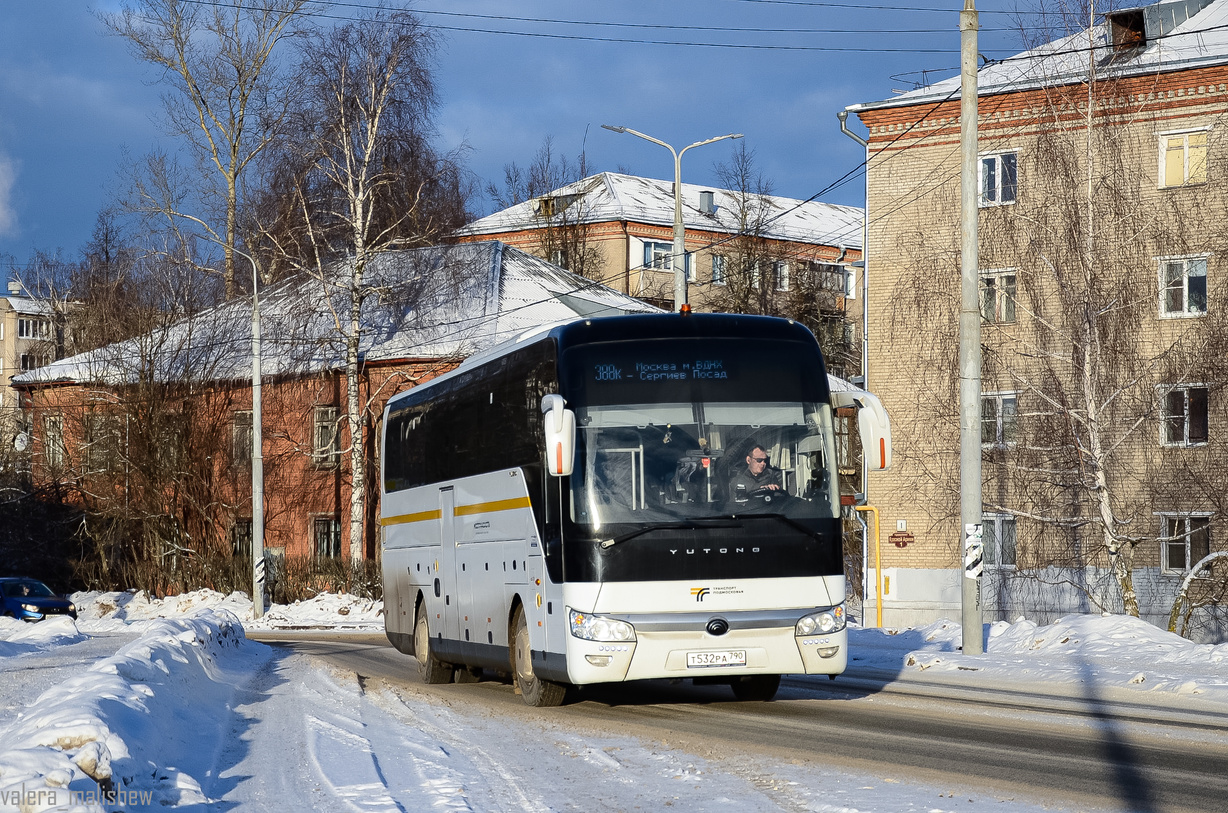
[1103, 203]
[28, 339]
[745, 252]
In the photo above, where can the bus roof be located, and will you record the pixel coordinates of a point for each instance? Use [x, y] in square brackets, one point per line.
[634, 326]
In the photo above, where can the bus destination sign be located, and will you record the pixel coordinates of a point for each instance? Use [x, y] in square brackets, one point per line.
[703, 369]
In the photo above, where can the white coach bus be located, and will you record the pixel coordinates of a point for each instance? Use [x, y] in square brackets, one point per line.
[614, 499]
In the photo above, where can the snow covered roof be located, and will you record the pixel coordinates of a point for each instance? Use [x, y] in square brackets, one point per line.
[26, 305]
[1172, 35]
[438, 302]
[611, 196]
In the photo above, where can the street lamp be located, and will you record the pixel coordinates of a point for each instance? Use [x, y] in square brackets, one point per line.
[679, 252]
[258, 563]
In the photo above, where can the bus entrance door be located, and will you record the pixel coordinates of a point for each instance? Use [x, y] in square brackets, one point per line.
[448, 564]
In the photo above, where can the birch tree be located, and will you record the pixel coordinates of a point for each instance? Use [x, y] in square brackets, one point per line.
[365, 180]
[227, 99]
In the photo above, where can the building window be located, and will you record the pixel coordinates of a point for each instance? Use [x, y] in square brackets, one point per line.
[241, 537]
[780, 271]
[998, 536]
[998, 296]
[53, 441]
[998, 419]
[718, 269]
[1183, 286]
[1183, 158]
[33, 328]
[1185, 416]
[241, 436]
[660, 256]
[999, 182]
[1184, 540]
[326, 434]
[102, 442]
[32, 361]
[326, 536]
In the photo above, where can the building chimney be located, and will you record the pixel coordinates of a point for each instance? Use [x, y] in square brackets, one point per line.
[706, 203]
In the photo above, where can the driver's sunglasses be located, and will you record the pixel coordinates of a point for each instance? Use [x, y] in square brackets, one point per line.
[759, 459]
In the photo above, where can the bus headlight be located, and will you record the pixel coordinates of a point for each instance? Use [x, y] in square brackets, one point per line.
[599, 628]
[821, 622]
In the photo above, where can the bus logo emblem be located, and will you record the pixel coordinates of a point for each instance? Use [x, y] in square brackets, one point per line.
[699, 593]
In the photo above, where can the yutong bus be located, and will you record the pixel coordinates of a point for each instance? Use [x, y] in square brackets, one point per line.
[562, 507]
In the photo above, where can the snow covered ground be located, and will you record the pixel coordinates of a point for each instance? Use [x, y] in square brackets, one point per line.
[151, 704]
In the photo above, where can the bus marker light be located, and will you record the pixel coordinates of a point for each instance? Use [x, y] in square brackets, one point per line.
[599, 660]
[539, 599]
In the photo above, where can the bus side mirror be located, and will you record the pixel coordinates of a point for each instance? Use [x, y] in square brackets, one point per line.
[872, 424]
[560, 436]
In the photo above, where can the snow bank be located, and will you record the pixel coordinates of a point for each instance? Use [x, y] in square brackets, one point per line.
[19, 637]
[103, 611]
[1115, 651]
[133, 729]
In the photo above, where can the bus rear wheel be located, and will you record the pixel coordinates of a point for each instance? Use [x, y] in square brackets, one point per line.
[534, 690]
[430, 668]
[756, 687]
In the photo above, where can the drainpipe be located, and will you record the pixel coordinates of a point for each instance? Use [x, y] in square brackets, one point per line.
[865, 332]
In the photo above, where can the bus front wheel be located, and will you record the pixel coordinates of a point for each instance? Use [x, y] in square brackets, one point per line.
[534, 690]
[430, 668]
[756, 687]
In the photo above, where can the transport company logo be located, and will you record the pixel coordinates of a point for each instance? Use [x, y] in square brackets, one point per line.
[701, 592]
[719, 551]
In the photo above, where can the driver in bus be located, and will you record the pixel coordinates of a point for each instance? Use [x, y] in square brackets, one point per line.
[758, 476]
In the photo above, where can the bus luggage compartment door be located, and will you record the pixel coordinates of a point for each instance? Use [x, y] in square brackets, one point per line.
[448, 565]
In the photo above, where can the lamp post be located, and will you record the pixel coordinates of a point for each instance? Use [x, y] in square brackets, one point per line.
[679, 251]
[258, 564]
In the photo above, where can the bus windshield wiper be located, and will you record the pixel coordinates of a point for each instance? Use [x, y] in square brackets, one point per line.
[792, 523]
[692, 523]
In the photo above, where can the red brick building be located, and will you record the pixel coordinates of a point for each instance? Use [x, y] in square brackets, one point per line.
[157, 430]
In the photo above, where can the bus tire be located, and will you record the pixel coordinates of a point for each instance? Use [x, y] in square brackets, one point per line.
[430, 668]
[756, 687]
[534, 690]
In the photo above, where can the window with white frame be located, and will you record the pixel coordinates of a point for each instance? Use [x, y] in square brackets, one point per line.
[754, 276]
[999, 179]
[1183, 158]
[1184, 540]
[780, 273]
[1183, 286]
[718, 269]
[998, 536]
[30, 328]
[53, 441]
[241, 438]
[998, 419]
[660, 256]
[1185, 415]
[326, 537]
[998, 296]
[326, 438]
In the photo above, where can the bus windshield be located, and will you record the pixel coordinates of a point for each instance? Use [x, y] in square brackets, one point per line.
[652, 463]
[679, 431]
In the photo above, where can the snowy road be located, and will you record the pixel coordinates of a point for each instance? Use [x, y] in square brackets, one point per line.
[1086, 751]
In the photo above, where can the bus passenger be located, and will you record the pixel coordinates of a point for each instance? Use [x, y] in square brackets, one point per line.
[757, 476]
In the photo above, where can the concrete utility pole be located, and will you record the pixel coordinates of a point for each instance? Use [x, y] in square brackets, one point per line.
[679, 249]
[970, 342]
[257, 455]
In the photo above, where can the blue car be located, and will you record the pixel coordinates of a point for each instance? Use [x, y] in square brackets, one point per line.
[31, 600]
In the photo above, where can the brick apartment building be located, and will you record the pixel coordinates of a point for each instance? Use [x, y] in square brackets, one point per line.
[796, 257]
[158, 429]
[1103, 158]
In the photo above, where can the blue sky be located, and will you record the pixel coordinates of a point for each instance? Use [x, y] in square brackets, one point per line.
[72, 100]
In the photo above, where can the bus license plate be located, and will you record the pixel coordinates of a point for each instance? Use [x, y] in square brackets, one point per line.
[733, 657]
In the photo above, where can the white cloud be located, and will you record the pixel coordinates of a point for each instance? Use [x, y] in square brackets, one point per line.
[8, 177]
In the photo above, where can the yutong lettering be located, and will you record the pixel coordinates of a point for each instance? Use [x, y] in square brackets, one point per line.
[697, 551]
